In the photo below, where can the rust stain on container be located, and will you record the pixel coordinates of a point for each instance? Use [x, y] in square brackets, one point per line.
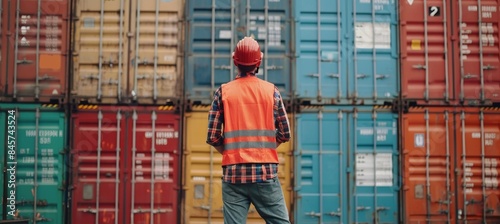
[203, 172]
[34, 53]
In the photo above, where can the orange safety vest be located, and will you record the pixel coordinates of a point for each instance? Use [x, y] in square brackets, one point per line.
[249, 131]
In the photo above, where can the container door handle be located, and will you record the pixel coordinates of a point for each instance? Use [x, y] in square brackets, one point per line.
[360, 208]
[24, 61]
[420, 66]
[361, 76]
[204, 207]
[155, 211]
[334, 214]
[225, 67]
[334, 76]
[381, 76]
[382, 209]
[93, 211]
[313, 214]
[470, 76]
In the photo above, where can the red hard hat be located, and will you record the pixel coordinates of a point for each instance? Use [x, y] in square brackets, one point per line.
[247, 53]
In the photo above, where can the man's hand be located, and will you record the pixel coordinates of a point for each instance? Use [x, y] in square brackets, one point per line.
[219, 148]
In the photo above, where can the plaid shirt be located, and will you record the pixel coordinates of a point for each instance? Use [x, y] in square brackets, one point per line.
[247, 173]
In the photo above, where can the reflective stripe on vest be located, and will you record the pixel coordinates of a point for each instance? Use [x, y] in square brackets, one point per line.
[249, 131]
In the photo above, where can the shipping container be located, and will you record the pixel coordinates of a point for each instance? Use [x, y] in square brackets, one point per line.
[346, 51]
[34, 53]
[450, 165]
[202, 182]
[450, 52]
[34, 178]
[127, 51]
[346, 165]
[214, 28]
[118, 174]
[427, 156]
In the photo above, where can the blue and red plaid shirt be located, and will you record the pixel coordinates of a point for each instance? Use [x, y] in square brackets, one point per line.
[254, 172]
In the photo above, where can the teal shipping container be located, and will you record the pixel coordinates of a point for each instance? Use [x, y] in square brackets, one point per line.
[346, 165]
[34, 182]
[346, 52]
[213, 29]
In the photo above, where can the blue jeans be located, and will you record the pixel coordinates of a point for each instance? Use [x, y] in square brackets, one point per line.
[267, 197]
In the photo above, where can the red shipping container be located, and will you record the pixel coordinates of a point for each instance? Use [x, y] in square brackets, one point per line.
[450, 52]
[478, 157]
[119, 176]
[34, 45]
[450, 165]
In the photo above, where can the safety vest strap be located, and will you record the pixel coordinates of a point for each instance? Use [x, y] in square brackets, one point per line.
[249, 133]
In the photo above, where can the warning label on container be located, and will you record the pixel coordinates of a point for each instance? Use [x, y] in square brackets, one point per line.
[374, 170]
[368, 35]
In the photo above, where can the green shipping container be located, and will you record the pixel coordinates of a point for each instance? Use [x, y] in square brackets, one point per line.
[37, 133]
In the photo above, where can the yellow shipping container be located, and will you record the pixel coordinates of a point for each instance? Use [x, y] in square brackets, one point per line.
[202, 173]
[127, 50]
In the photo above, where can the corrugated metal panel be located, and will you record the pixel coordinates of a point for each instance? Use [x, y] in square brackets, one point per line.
[39, 139]
[119, 176]
[344, 173]
[478, 137]
[343, 58]
[203, 172]
[118, 58]
[35, 53]
[477, 60]
[433, 72]
[450, 165]
[428, 177]
[426, 68]
[214, 29]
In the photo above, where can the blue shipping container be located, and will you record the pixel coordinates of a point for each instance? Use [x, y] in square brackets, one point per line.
[344, 173]
[215, 27]
[36, 176]
[339, 44]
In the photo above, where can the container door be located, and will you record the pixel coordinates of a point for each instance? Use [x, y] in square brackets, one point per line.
[320, 168]
[154, 58]
[203, 172]
[374, 190]
[477, 60]
[268, 22]
[39, 165]
[320, 50]
[426, 72]
[212, 37]
[373, 50]
[152, 167]
[98, 169]
[100, 54]
[216, 26]
[478, 137]
[428, 177]
[36, 62]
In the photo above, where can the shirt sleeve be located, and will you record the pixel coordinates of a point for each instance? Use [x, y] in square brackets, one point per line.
[281, 119]
[215, 120]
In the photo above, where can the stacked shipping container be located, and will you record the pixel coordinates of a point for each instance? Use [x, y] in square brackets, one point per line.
[346, 155]
[449, 59]
[126, 86]
[33, 72]
[213, 29]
